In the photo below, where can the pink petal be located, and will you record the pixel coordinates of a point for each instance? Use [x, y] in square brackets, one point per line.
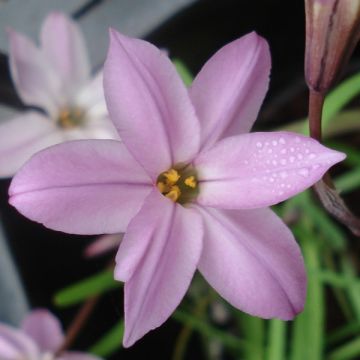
[22, 137]
[73, 355]
[14, 344]
[103, 244]
[35, 79]
[230, 88]
[45, 329]
[149, 105]
[157, 259]
[64, 46]
[260, 169]
[251, 258]
[81, 187]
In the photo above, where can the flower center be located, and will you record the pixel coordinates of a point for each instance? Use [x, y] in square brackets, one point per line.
[178, 185]
[70, 118]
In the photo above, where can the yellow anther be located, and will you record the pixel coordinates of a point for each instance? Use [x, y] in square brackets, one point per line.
[70, 118]
[172, 176]
[174, 193]
[161, 187]
[190, 181]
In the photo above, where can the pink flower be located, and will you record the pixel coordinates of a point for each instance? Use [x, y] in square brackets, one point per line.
[188, 185]
[55, 78]
[39, 337]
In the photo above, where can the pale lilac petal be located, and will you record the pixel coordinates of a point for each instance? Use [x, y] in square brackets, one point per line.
[23, 136]
[35, 79]
[92, 93]
[81, 187]
[103, 244]
[64, 46]
[230, 88]
[73, 355]
[157, 258]
[45, 329]
[149, 105]
[14, 344]
[252, 260]
[260, 169]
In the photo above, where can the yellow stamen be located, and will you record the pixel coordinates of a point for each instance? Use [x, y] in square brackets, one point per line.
[190, 181]
[161, 187]
[172, 176]
[174, 193]
[70, 118]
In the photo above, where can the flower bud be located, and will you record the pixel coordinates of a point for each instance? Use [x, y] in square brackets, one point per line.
[332, 31]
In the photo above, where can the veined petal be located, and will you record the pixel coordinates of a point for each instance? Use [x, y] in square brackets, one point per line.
[229, 90]
[81, 187]
[35, 79]
[64, 46]
[157, 259]
[260, 169]
[14, 345]
[149, 105]
[45, 329]
[251, 258]
[23, 136]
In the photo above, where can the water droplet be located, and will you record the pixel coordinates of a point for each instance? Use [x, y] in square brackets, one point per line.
[282, 141]
[269, 151]
[299, 156]
[271, 179]
[292, 149]
[282, 185]
[316, 166]
[283, 161]
[292, 159]
[283, 174]
[288, 186]
[246, 162]
[283, 151]
[281, 192]
[297, 139]
[274, 162]
[274, 142]
[259, 144]
[304, 172]
[307, 151]
[312, 156]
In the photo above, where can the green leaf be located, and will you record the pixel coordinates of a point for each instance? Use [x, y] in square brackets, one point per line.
[344, 332]
[183, 71]
[349, 181]
[204, 328]
[110, 342]
[93, 285]
[350, 350]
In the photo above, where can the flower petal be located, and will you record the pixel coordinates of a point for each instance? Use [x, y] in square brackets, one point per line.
[45, 329]
[64, 46]
[251, 258]
[14, 344]
[149, 105]
[260, 169]
[23, 136]
[230, 88]
[81, 187]
[103, 244]
[157, 259]
[35, 79]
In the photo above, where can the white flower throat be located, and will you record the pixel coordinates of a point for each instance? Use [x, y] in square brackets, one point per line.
[70, 118]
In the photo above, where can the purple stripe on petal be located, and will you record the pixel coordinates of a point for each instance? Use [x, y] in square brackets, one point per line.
[251, 258]
[82, 187]
[158, 257]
